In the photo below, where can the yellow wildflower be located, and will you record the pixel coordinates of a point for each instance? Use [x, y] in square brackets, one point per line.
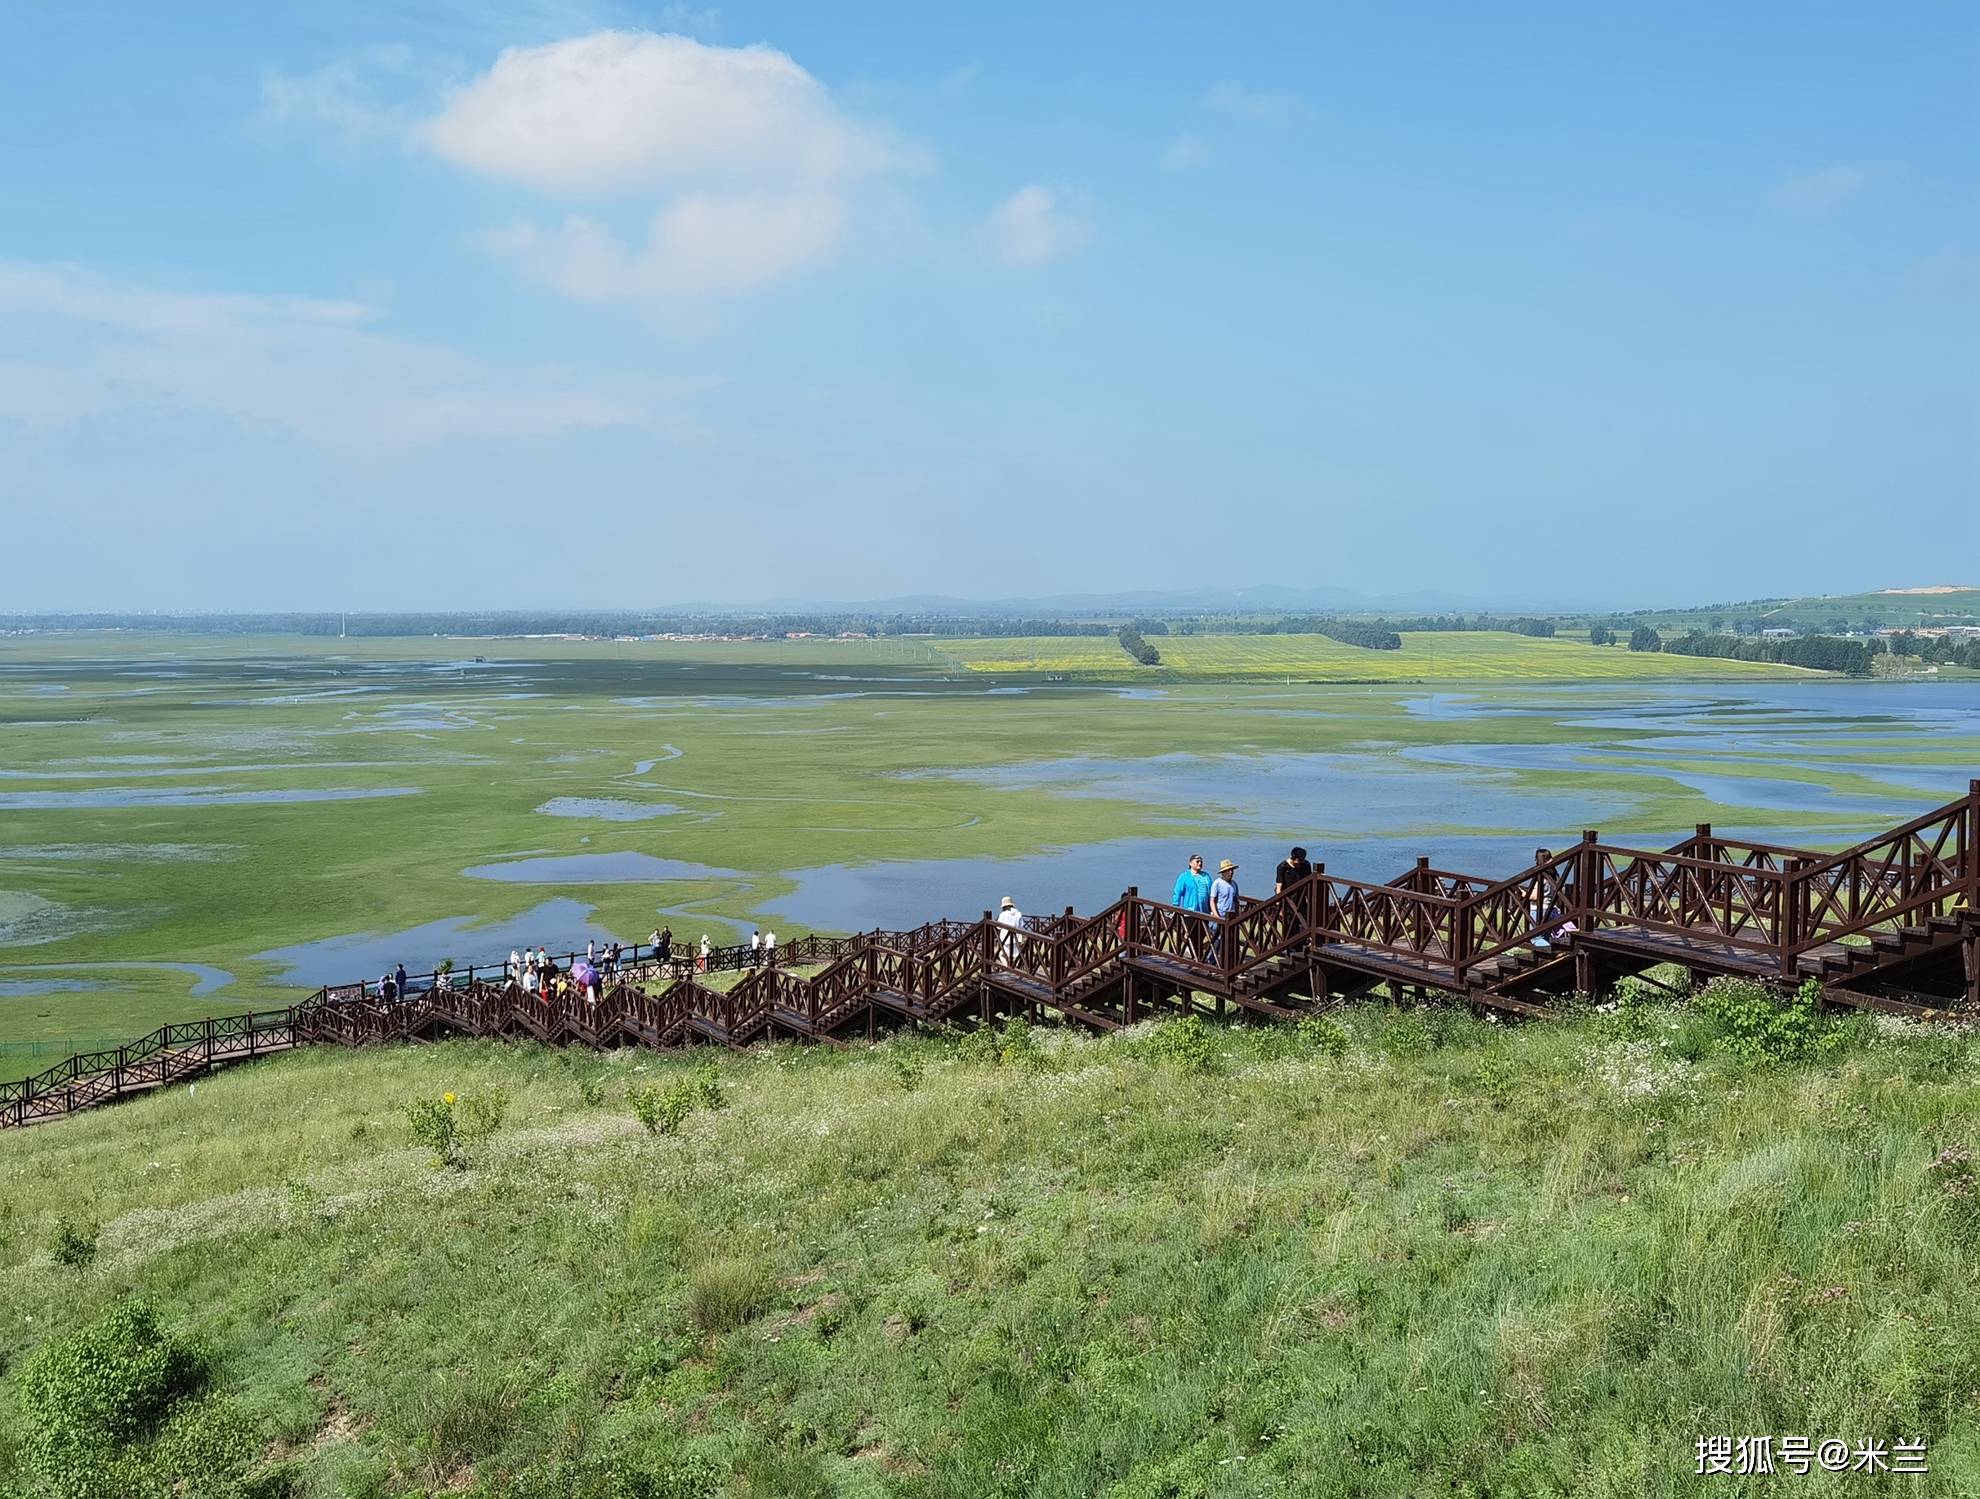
[447, 1099]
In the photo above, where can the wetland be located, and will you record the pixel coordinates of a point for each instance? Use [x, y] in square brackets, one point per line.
[288, 813]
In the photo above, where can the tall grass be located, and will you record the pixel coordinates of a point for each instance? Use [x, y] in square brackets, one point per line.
[1414, 1253]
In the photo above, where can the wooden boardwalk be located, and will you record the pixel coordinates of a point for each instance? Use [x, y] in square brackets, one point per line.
[1888, 924]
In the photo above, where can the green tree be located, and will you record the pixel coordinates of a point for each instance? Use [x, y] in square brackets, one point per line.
[1643, 638]
[1601, 635]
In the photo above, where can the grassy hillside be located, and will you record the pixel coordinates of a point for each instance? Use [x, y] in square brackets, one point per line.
[1413, 1255]
[1469, 656]
[1893, 610]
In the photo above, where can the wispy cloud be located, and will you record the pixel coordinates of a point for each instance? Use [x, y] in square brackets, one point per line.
[353, 101]
[1252, 104]
[82, 345]
[1186, 153]
[1036, 225]
[1823, 191]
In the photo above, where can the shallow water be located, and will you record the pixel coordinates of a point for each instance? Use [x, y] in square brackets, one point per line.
[206, 978]
[606, 808]
[25, 988]
[562, 925]
[186, 796]
[626, 867]
[1335, 793]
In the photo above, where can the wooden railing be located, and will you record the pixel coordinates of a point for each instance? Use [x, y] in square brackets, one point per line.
[1713, 893]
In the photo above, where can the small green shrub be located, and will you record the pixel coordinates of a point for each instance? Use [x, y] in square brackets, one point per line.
[448, 1127]
[707, 1088]
[92, 1398]
[591, 1092]
[1185, 1044]
[1758, 1026]
[1496, 1078]
[1323, 1034]
[662, 1111]
[75, 1244]
[725, 1293]
[905, 1069]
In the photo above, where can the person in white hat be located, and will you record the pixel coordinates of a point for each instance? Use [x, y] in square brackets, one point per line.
[1012, 920]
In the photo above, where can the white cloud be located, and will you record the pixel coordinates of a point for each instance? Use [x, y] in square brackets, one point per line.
[1036, 224]
[82, 345]
[1186, 153]
[1252, 104]
[623, 111]
[1823, 191]
[764, 169]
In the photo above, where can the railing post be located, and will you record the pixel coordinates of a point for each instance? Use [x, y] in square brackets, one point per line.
[1131, 942]
[1701, 843]
[1461, 938]
[1790, 923]
[1587, 877]
[1972, 850]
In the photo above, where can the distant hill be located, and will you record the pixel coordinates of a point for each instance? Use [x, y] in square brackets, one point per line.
[1887, 608]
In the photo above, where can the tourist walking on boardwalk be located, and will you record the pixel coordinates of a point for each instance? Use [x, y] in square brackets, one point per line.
[769, 947]
[1192, 890]
[701, 960]
[1011, 919]
[515, 966]
[1539, 903]
[755, 947]
[1223, 904]
[1292, 869]
[666, 944]
[399, 979]
[385, 990]
[612, 952]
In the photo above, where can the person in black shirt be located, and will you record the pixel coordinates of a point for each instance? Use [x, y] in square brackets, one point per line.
[1291, 871]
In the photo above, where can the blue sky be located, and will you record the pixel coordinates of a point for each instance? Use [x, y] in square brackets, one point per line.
[560, 304]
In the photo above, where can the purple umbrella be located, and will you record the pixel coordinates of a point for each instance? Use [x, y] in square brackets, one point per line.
[583, 974]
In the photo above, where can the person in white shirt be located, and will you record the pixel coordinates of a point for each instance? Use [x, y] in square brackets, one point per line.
[514, 969]
[769, 947]
[755, 947]
[1011, 919]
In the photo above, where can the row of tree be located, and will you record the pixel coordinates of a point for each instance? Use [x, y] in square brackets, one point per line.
[1817, 652]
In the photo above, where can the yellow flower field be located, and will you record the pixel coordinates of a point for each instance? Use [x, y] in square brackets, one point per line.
[1430, 656]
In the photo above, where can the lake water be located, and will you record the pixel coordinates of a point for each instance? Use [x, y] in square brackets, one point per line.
[1481, 808]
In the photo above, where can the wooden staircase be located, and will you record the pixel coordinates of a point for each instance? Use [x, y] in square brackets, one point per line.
[1888, 924]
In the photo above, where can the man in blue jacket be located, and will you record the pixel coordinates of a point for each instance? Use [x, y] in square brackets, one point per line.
[1192, 891]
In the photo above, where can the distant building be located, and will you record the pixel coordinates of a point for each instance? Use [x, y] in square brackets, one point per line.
[1779, 633]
